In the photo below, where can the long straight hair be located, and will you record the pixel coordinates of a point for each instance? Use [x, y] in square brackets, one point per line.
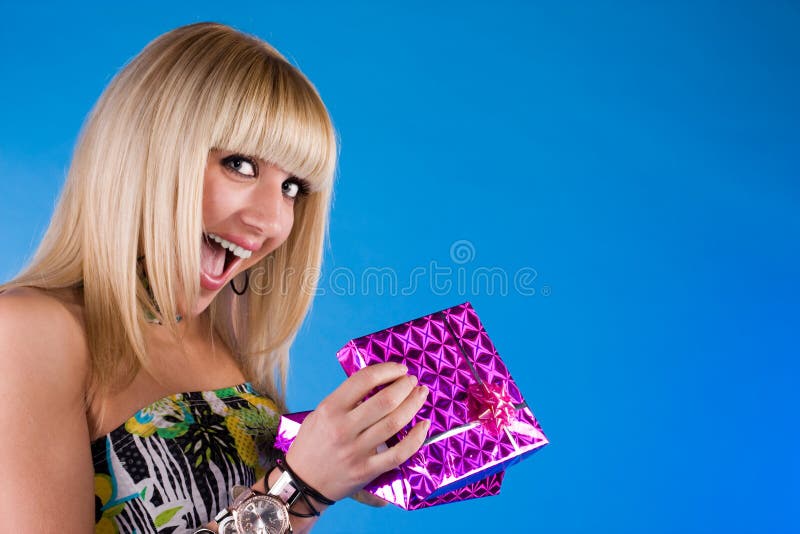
[135, 187]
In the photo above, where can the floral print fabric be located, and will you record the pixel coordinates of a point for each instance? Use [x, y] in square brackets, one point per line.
[170, 467]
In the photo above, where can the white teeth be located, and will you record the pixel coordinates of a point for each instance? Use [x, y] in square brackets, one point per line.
[237, 250]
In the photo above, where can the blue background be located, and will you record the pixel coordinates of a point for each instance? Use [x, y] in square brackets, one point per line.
[641, 157]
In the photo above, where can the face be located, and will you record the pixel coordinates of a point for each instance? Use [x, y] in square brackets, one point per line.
[248, 211]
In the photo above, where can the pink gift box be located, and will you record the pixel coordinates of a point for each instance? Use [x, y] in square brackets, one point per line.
[480, 423]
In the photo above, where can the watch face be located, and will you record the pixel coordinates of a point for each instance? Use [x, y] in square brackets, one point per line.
[227, 526]
[262, 514]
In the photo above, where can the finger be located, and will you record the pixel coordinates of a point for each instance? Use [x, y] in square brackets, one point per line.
[384, 402]
[367, 498]
[393, 422]
[355, 388]
[402, 451]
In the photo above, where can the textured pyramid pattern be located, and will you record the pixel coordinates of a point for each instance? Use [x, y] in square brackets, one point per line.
[485, 487]
[448, 351]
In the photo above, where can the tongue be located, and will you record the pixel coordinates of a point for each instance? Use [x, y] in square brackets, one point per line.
[212, 258]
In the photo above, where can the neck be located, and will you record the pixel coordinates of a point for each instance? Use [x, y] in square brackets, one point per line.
[191, 329]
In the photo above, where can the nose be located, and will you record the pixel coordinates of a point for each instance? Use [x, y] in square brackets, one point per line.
[267, 212]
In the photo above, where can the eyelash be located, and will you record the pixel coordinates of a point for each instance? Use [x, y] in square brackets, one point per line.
[303, 187]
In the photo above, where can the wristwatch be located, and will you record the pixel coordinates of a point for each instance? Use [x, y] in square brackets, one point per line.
[253, 512]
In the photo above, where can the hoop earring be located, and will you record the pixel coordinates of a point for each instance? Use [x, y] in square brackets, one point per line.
[246, 284]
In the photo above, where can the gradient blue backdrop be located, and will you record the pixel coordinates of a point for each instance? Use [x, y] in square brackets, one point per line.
[641, 157]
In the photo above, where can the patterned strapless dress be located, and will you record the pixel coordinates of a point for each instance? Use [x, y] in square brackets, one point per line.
[170, 467]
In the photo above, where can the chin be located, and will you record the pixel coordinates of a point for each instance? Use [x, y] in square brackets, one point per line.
[204, 300]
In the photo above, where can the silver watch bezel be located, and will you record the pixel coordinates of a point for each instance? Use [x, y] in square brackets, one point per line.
[227, 525]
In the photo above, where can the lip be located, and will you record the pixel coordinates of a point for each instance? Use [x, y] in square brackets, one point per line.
[246, 244]
[214, 283]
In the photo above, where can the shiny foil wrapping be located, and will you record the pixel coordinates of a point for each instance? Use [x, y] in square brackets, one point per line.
[480, 422]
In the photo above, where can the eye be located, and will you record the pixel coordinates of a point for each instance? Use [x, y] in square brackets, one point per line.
[241, 164]
[294, 187]
[291, 189]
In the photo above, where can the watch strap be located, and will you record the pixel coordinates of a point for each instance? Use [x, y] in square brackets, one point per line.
[305, 489]
[285, 488]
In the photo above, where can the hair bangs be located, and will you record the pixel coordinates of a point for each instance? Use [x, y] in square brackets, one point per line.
[279, 118]
[136, 184]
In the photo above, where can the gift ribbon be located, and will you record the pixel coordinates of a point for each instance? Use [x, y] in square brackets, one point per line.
[489, 406]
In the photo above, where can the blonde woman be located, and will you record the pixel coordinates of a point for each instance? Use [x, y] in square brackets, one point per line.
[144, 349]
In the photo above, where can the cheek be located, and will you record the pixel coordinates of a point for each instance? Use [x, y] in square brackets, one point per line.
[215, 203]
[288, 224]
[209, 202]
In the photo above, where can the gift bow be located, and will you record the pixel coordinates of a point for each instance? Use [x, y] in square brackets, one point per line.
[491, 406]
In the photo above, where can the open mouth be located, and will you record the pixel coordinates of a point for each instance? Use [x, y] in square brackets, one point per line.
[217, 262]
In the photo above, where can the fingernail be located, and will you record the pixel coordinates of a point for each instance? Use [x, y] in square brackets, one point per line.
[403, 369]
[422, 390]
[414, 379]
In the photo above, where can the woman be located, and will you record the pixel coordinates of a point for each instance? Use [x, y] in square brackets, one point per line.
[198, 190]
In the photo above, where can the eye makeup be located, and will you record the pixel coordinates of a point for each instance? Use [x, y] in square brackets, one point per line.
[238, 162]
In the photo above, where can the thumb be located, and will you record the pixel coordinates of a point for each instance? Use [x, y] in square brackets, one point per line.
[364, 497]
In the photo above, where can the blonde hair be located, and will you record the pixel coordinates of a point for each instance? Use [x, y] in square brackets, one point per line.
[135, 187]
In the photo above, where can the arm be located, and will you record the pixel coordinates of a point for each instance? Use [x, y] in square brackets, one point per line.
[335, 451]
[47, 481]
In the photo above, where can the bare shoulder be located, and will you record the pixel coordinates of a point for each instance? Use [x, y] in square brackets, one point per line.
[43, 339]
[43, 369]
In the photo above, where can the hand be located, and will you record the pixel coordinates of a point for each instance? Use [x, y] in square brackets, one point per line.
[364, 497]
[335, 450]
